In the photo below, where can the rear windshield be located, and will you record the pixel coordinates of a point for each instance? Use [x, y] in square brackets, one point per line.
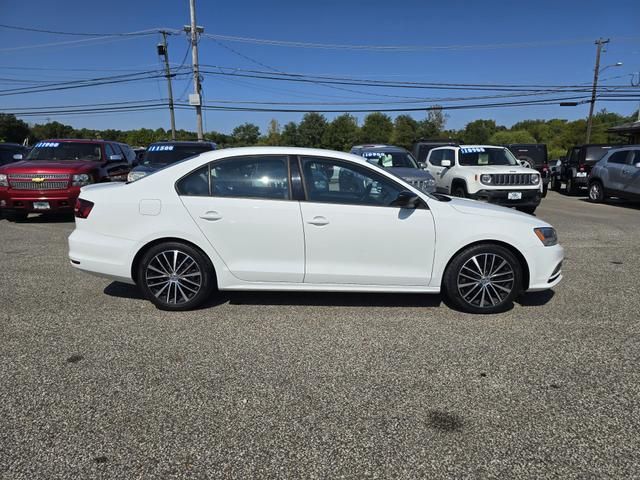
[60, 151]
[162, 155]
[594, 154]
[534, 154]
[480, 156]
[391, 159]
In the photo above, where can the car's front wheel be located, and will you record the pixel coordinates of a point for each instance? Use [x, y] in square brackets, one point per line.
[596, 192]
[175, 276]
[483, 278]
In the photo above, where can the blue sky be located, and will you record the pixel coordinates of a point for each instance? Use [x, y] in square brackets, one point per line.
[337, 22]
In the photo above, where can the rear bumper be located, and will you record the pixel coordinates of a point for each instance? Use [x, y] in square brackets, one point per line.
[102, 255]
[530, 198]
[582, 181]
[23, 201]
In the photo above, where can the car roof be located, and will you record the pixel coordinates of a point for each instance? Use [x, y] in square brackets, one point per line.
[77, 140]
[380, 147]
[183, 142]
[310, 152]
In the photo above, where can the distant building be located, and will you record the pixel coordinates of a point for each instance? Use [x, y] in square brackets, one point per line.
[630, 130]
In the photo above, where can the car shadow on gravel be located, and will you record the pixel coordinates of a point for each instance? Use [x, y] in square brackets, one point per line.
[617, 202]
[327, 299]
[535, 299]
[44, 218]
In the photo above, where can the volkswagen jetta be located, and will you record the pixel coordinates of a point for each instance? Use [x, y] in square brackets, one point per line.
[279, 218]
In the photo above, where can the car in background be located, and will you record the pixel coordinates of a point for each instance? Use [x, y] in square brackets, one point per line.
[12, 152]
[398, 161]
[422, 148]
[263, 218]
[576, 166]
[617, 174]
[485, 172]
[533, 155]
[162, 154]
[49, 179]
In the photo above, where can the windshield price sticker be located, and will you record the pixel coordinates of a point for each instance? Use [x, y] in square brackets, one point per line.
[160, 148]
[373, 154]
[472, 150]
[46, 145]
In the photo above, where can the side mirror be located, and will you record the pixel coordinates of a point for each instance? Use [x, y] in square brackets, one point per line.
[406, 199]
[17, 156]
[115, 158]
[445, 163]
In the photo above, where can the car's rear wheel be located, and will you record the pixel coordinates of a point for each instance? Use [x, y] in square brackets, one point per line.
[483, 278]
[529, 210]
[175, 276]
[596, 192]
[571, 186]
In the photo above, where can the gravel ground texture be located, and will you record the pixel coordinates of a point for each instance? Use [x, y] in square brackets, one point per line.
[97, 383]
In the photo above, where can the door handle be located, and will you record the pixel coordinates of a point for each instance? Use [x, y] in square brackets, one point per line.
[211, 216]
[318, 221]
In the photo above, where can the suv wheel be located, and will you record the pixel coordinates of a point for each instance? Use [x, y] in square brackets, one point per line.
[596, 192]
[483, 279]
[459, 191]
[571, 187]
[529, 210]
[17, 216]
[175, 276]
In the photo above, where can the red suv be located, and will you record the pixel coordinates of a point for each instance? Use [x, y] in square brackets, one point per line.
[50, 178]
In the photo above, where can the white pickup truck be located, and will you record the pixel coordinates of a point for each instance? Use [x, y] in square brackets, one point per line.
[485, 172]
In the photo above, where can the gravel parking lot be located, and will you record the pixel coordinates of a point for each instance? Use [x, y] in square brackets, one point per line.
[98, 383]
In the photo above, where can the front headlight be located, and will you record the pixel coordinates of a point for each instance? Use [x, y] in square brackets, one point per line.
[81, 179]
[431, 182]
[4, 181]
[133, 176]
[547, 236]
[486, 178]
[535, 178]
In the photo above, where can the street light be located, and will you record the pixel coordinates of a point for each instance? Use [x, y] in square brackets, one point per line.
[596, 71]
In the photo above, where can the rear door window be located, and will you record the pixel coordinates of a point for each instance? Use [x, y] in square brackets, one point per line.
[618, 157]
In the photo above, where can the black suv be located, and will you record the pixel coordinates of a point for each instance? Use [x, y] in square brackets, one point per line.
[12, 152]
[576, 166]
[533, 155]
[163, 154]
[422, 148]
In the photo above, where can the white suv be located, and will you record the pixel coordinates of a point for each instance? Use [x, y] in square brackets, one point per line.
[485, 172]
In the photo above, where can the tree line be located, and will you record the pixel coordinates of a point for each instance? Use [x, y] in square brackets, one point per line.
[344, 131]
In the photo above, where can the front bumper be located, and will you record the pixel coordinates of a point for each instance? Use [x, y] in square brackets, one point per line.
[530, 198]
[26, 201]
[545, 267]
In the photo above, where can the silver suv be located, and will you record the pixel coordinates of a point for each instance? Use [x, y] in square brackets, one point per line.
[617, 174]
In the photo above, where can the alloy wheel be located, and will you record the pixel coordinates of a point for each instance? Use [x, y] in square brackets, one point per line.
[594, 192]
[485, 280]
[173, 277]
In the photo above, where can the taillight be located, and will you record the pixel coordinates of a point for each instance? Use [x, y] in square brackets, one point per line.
[581, 168]
[82, 208]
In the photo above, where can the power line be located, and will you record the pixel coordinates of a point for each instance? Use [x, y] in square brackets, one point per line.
[401, 48]
[85, 34]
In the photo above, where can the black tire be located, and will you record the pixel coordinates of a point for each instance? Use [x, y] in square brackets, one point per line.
[459, 191]
[460, 285]
[571, 186]
[596, 192]
[16, 216]
[545, 189]
[175, 276]
[529, 210]
[555, 184]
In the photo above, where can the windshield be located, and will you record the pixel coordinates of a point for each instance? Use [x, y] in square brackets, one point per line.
[168, 154]
[391, 159]
[480, 156]
[66, 151]
[6, 154]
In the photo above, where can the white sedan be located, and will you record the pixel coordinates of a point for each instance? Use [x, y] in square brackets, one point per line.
[279, 218]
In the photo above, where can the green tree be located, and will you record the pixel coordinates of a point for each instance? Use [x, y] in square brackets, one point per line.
[341, 133]
[273, 133]
[479, 131]
[245, 134]
[311, 130]
[289, 135]
[511, 136]
[405, 131]
[13, 129]
[51, 130]
[377, 128]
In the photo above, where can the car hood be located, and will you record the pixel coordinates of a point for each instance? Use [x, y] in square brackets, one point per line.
[413, 173]
[42, 166]
[475, 207]
[480, 169]
[149, 168]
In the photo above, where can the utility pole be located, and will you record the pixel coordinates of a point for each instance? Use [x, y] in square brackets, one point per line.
[196, 98]
[164, 52]
[600, 43]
